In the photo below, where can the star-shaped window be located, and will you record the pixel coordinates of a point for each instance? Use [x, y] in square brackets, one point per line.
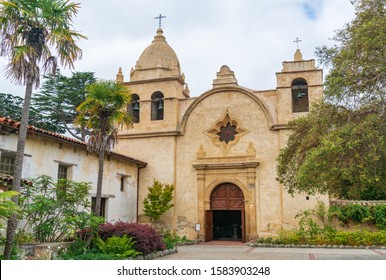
[226, 133]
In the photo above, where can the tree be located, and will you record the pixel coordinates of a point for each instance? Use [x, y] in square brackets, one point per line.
[58, 99]
[357, 74]
[11, 106]
[339, 147]
[53, 209]
[336, 150]
[103, 111]
[158, 200]
[35, 36]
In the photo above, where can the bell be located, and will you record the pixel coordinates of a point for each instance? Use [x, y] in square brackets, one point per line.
[301, 94]
[136, 106]
[160, 105]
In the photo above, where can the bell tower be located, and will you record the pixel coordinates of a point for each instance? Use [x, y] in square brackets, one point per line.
[156, 83]
[299, 84]
[157, 86]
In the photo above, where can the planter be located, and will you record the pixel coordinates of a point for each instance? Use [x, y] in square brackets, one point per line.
[42, 251]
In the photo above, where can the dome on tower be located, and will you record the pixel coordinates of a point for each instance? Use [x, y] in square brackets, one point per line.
[157, 61]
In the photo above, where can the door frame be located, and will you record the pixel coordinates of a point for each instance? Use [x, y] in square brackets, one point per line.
[242, 174]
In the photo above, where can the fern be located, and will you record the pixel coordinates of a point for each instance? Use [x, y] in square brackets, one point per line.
[117, 246]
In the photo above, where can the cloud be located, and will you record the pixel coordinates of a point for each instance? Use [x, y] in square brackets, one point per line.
[251, 37]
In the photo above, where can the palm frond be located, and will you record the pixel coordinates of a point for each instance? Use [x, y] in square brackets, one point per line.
[38, 25]
[104, 111]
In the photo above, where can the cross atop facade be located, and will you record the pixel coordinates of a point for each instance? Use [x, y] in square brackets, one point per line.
[160, 17]
[297, 41]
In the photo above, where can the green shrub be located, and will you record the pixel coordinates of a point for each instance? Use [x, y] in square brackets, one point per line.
[78, 247]
[147, 239]
[114, 248]
[373, 215]
[23, 237]
[351, 238]
[91, 256]
[171, 240]
[379, 214]
[312, 233]
[118, 246]
[158, 200]
[55, 210]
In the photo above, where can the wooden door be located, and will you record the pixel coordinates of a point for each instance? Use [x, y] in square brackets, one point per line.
[226, 196]
[208, 225]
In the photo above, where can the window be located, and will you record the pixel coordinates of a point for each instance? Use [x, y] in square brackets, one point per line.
[157, 106]
[299, 89]
[134, 108]
[227, 133]
[7, 163]
[62, 172]
[123, 180]
[62, 175]
[103, 206]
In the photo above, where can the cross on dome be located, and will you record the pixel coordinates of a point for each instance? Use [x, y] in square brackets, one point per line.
[160, 17]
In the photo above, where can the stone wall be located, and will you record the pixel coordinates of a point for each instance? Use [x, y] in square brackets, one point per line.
[340, 202]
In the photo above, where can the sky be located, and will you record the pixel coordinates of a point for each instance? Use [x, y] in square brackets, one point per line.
[252, 37]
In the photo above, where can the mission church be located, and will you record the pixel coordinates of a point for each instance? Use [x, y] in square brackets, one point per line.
[219, 149]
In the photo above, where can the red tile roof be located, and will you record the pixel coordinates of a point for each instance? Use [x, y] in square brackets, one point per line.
[9, 179]
[62, 138]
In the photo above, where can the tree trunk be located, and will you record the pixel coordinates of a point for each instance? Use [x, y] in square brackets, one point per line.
[98, 198]
[13, 220]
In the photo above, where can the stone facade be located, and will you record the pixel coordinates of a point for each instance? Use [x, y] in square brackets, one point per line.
[228, 135]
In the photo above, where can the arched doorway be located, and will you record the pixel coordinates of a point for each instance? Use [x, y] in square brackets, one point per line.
[226, 218]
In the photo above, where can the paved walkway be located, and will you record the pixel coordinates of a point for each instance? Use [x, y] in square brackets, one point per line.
[218, 250]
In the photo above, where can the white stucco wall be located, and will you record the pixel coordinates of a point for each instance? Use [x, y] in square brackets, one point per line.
[43, 156]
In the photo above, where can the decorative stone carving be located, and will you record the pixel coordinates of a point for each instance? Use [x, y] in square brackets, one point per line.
[225, 77]
[119, 78]
[251, 151]
[226, 133]
[201, 152]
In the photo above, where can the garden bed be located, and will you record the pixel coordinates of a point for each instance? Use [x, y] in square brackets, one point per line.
[273, 245]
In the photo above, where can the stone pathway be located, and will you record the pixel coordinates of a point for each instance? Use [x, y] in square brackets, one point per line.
[226, 250]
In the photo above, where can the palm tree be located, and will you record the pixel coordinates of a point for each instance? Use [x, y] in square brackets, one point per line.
[8, 207]
[35, 35]
[103, 112]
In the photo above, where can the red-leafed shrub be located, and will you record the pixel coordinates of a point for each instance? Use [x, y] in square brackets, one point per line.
[147, 239]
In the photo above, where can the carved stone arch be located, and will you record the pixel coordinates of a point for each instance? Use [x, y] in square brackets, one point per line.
[261, 103]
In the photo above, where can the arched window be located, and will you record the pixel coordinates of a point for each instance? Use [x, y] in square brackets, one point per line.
[299, 89]
[157, 106]
[134, 108]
